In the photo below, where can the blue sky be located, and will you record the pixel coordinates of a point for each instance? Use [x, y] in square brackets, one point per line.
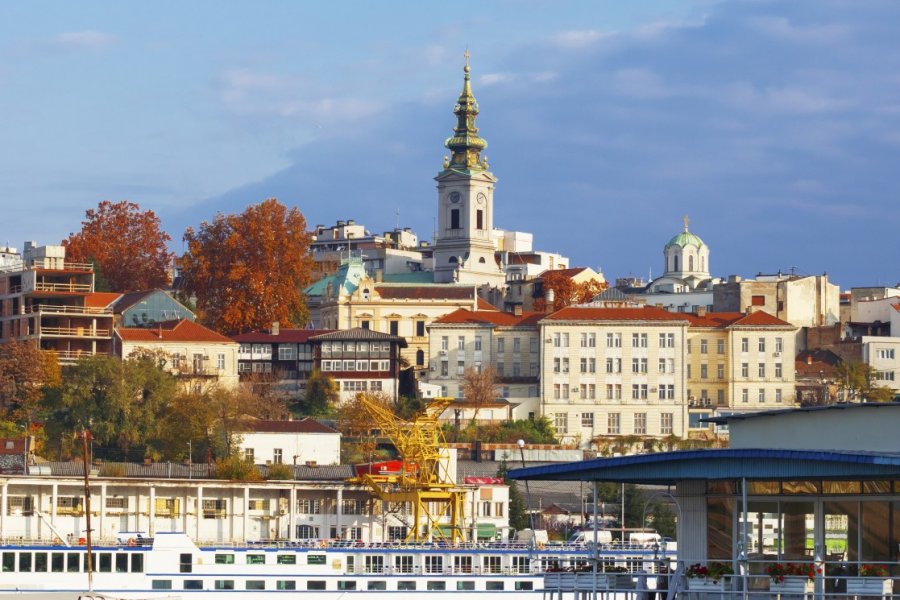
[774, 125]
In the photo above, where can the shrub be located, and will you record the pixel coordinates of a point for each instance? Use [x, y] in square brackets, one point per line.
[280, 472]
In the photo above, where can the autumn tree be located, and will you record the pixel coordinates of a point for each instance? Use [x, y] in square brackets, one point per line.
[858, 380]
[479, 388]
[321, 395]
[247, 271]
[566, 291]
[26, 372]
[125, 243]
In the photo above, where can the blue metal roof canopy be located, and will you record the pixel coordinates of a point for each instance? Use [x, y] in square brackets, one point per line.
[666, 468]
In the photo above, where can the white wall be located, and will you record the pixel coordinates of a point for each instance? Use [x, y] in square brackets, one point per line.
[323, 448]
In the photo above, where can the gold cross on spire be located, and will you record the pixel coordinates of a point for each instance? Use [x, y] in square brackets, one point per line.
[686, 220]
[466, 54]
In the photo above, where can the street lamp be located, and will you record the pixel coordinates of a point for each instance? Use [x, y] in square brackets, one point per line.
[521, 444]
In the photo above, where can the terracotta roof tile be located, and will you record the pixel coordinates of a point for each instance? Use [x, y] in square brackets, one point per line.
[485, 305]
[426, 292]
[564, 272]
[172, 331]
[100, 299]
[502, 319]
[761, 318]
[646, 313]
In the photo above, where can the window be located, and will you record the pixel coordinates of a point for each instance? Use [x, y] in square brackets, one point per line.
[479, 219]
[565, 365]
[376, 586]
[757, 300]
[517, 345]
[745, 344]
[220, 362]
[665, 423]
[20, 505]
[779, 345]
[493, 586]
[445, 368]
[885, 353]
[638, 365]
[720, 346]
[375, 564]
[193, 584]
[762, 395]
[308, 506]
[588, 365]
[587, 420]
[406, 586]
[224, 559]
[286, 559]
[561, 422]
[277, 456]
[462, 564]
[612, 423]
[639, 391]
[403, 564]
[285, 584]
[689, 346]
[434, 564]
[285, 352]
[720, 397]
[613, 340]
[477, 343]
[445, 342]
[454, 218]
[501, 345]
[638, 340]
[745, 370]
[588, 391]
[307, 532]
[667, 340]
[762, 344]
[394, 327]
[667, 392]
[460, 367]
[703, 346]
[524, 586]
[255, 584]
[720, 371]
[215, 508]
[161, 584]
[365, 324]
[315, 585]
[703, 371]
[745, 395]
[778, 370]
[762, 370]
[640, 423]
[778, 396]
[490, 564]
[224, 584]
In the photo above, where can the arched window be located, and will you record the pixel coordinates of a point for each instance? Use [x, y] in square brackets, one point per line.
[690, 263]
[675, 258]
[481, 260]
[420, 358]
[365, 293]
[453, 260]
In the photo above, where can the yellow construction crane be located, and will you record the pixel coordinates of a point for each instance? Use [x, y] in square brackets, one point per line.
[422, 478]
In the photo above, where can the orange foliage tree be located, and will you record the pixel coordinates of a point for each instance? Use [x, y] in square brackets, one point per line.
[247, 271]
[566, 291]
[126, 244]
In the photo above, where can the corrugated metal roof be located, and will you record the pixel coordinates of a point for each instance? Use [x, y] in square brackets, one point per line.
[666, 468]
[164, 470]
[781, 411]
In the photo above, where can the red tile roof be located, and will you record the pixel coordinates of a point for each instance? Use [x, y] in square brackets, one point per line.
[287, 336]
[305, 425]
[761, 318]
[100, 299]
[502, 319]
[172, 331]
[485, 305]
[728, 319]
[646, 313]
[572, 272]
[896, 307]
[426, 292]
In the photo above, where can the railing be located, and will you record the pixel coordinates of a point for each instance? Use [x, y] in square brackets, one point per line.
[72, 354]
[53, 264]
[67, 310]
[75, 331]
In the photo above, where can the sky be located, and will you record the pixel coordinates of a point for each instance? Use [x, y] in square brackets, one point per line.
[774, 125]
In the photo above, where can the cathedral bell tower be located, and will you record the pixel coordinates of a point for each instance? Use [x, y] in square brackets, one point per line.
[464, 249]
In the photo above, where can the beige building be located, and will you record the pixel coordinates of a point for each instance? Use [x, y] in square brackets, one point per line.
[199, 356]
[509, 343]
[738, 362]
[614, 372]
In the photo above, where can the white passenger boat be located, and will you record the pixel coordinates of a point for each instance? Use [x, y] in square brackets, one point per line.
[172, 565]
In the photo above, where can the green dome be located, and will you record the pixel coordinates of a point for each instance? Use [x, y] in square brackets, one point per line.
[686, 238]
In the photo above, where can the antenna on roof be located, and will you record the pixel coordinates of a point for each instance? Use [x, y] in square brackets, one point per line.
[398, 217]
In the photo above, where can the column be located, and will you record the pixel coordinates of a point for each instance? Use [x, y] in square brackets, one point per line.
[198, 513]
[3, 509]
[246, 511]
[151, 530]
[53, 498]
[339, 512]
[292, 511]
[101, 526]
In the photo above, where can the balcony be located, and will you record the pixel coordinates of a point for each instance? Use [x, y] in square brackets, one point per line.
[69, 356]
[75, 332]
[70, 288]
[67, 310]
[54, 265]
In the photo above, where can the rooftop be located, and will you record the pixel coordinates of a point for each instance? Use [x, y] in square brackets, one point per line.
[172, 331]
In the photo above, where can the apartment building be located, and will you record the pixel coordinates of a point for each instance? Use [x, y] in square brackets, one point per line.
[508, 342]
[45, 298]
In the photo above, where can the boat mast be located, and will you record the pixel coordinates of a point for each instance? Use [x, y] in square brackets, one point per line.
[87, 509]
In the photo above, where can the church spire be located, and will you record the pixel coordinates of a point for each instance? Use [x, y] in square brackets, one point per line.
[465, 144]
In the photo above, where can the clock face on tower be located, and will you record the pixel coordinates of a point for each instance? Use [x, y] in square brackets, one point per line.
[454, 197]
[480, 199]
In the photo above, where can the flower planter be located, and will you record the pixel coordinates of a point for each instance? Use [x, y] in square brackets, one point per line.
[869, 586]
[705, 584]
[793, 586]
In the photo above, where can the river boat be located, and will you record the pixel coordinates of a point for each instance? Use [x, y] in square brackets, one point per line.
[172, 565]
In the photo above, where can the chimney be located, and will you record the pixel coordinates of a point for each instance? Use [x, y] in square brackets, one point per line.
[809, 359]
[276, 328]
[517, 310]
[550, 299]
[701, 311]
[379, 275]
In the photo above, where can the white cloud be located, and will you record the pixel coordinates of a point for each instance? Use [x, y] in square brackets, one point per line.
[655, 29]
[83, 40]
[489, 79]
[577, 39]
[783, 28]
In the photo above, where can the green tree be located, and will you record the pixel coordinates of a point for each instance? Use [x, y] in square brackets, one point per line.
[321, 395]
[858, 379]
[518, 511]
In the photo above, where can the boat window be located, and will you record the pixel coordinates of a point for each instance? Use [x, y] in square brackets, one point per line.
[403, 564]
[491, 564]
[9, 562]
[193, 584]
[462, 564]
[104, 560]
[436, 586]
[137, 563]
[493, 586]
[121, 562]
[434, 564]
[25, 562]
[347, 585]
[256, 584]
[377, 586]
[73, 562]
[406, 586]
[56, 562]
[374, 564]
[256, 559]
[185, 563]
[285, 584]
[465, 586]
[40, 562]
[224, 584]
[287, 559]
[224, 559]
[315, 559]
[315, 585]
[161, 584]
[524, 586]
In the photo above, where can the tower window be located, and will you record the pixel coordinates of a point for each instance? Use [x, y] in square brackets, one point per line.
[676, 263]
[454, 218]
[479, 219]
[690, 263]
